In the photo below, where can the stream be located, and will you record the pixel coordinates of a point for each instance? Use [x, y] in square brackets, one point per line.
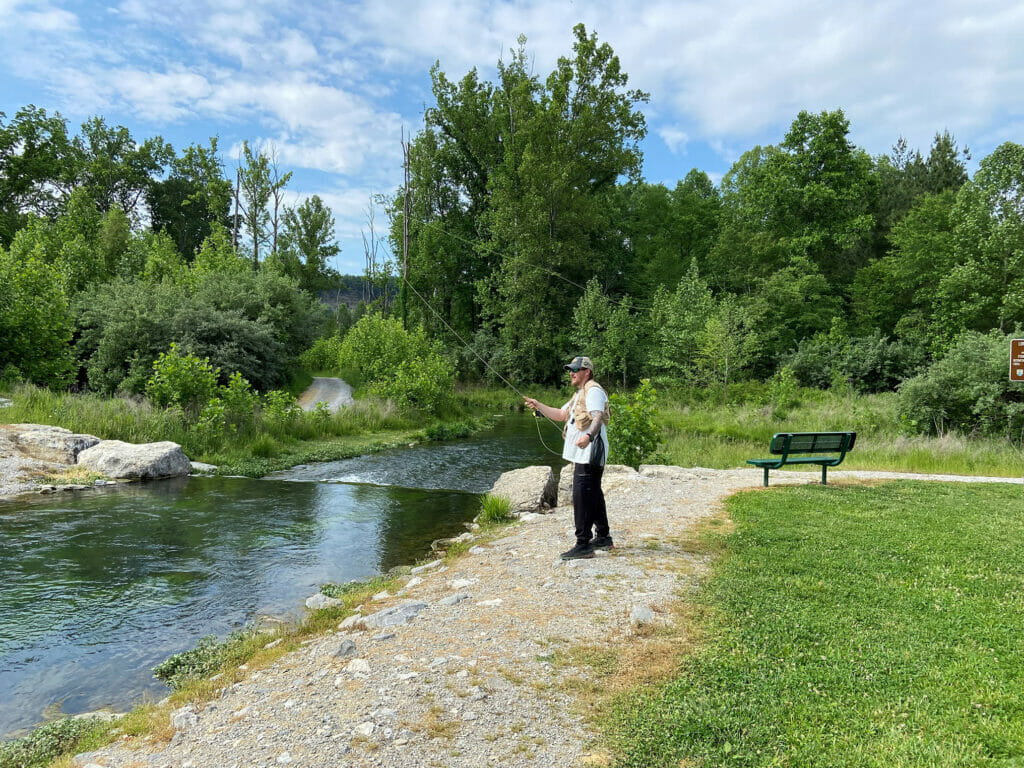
[100, 587]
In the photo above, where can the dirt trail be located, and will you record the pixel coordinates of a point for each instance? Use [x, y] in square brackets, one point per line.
[335, 392]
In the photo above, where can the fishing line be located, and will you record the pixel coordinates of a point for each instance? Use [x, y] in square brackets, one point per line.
[481, 359]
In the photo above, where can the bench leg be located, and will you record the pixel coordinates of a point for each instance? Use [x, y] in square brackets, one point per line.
[824, 472]
[766, 477]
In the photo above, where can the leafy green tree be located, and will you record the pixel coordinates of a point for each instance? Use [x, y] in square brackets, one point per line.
[307, 245]
[259, 184]
[986, 287]
[35, 325]
[193, 199]
[727, 344]
[633, 434]
[114, 169]
[38, 167]
[676, 321]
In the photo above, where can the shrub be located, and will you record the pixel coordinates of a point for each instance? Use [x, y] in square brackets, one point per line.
[633, 435]
[398, 364]
[280, 409]
[323, 355]
[182, 380]
[968, 390]
[239, 402]
[207, 657]
[46, 743]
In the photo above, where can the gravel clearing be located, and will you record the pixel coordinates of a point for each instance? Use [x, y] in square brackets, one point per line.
[474, 673]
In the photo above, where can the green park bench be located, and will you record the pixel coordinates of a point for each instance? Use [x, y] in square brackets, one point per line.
[785, 444]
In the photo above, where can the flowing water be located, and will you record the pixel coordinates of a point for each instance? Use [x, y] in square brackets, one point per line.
[98, 588]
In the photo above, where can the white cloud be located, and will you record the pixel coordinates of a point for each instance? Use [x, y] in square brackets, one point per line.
[674, 139]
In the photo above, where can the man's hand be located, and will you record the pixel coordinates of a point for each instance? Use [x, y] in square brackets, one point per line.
[532, 404]
[584, 440]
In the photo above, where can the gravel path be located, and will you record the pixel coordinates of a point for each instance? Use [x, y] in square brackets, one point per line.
[485, 674]
[335, 392]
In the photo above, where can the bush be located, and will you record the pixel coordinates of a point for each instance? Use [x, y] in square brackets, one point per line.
[207, 657]
[633, 435]
[46, 743]
[398, 364]
[323, 356]
[869, 364]
[967, 390]
[182, 380]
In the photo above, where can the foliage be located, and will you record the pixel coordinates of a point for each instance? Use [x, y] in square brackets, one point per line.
[676, 321]
[398, 364]
[726, 344]
[207, 657]
[35, 323]
[324, 356]
[495, 510]
[181, 380]
[633, 434]
[307, 244]
[847, 626]
[967, 390]
[46, 743]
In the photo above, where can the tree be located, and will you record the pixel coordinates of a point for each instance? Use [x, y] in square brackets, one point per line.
[676, 321]
[114, 169]
[38, 167]
[259, 182]
[985, 289]
[308, 243]
[193, 198]
[35, 326]
[727, 344]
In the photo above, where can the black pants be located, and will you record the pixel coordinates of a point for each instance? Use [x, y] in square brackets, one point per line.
[588, 508]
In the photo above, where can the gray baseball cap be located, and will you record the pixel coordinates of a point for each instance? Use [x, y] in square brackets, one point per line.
[580, 362]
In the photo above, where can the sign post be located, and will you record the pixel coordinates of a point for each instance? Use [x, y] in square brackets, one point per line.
[1017, 360]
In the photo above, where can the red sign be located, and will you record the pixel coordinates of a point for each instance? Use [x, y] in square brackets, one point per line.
[1017, 360]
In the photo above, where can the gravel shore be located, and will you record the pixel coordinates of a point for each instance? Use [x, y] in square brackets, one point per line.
[490, 670]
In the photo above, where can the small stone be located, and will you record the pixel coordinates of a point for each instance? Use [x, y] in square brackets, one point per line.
[415, 581]
[468, 716]
[361, 666]
[462, 583]
[353, 621]
[641, 614]
[284, 758]
[478, 550]
[490, 603]
[384, 636]
[408, 675]
[425, 567]
[453, 599]
[274, 643]
[345, 649]
[320, 601]
[364, 729]
[462, 674]
[184, 718]
[381, 596]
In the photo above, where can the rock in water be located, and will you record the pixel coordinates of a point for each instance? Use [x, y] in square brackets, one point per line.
[530, 489]
[127, 461]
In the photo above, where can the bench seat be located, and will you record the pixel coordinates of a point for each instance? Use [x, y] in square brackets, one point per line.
[784, 444]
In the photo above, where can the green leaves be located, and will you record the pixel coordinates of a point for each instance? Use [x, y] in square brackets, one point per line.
[633, 434]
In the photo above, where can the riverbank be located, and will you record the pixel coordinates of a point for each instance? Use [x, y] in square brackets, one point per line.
[508, 660]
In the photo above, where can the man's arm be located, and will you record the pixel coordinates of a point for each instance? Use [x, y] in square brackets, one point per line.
[555, 414]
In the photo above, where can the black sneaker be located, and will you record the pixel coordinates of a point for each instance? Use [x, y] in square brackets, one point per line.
[578, 552]
[602, 542]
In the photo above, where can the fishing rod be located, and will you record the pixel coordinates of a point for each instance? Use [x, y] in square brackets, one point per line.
[487, 365]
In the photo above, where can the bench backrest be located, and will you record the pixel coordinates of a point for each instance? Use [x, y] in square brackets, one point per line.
[812, 442]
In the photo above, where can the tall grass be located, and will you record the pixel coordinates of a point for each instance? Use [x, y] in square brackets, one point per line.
[723, 436]
[266, 444]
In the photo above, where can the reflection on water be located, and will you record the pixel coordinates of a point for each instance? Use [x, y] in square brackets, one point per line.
[99, 588]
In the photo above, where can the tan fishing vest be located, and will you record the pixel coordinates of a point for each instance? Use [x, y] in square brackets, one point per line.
[579, 408]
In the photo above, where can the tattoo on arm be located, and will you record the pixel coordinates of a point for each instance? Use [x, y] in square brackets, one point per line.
[595, 424]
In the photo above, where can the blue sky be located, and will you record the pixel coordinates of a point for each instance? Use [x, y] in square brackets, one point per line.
[330, 85]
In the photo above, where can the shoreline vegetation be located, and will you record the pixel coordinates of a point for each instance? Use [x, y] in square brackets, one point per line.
[696, 429]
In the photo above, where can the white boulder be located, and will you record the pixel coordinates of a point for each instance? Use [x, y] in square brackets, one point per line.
[46, 443]
[147, 461]
[530, 489]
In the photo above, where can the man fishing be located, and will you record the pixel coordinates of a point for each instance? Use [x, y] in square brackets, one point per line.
[586, 446]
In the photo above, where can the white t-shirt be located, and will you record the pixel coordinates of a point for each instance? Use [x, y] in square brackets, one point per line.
[596, 401]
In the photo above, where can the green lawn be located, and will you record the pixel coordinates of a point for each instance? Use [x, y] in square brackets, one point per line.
[851, 626]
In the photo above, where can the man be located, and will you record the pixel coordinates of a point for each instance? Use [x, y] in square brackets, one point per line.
[586, 446]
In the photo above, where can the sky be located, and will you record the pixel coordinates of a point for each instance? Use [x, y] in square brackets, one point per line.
[332, 85]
